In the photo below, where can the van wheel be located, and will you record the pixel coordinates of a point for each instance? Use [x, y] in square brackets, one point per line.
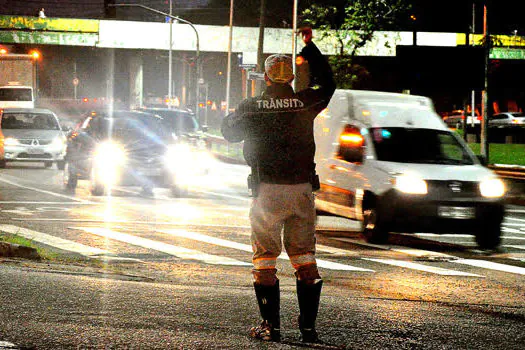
[488, 236]
[61, 164]
[373, 229]
[48, 164]
[2, 163]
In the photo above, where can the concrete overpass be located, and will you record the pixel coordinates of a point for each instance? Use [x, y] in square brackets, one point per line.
[134, 36]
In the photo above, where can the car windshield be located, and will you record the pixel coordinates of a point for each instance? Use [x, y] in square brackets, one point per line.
[179, 122]
[129, 129]
[425, 146]
[32, 121]
[15, 94]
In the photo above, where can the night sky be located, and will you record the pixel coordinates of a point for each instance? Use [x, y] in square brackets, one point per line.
[505, 16]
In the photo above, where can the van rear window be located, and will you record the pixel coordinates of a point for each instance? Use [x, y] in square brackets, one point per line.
[425, 146]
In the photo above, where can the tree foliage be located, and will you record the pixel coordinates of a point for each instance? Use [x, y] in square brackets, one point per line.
[352, 24]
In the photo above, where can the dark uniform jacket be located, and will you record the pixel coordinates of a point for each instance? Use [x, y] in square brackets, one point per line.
[277, 127]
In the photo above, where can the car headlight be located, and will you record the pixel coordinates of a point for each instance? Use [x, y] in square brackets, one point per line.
[179, 154]
[109, 154]
[410, 184]
[58, 142]
[492, 188]
[11, 141]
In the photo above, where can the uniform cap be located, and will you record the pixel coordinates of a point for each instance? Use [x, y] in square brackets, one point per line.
[279, 68]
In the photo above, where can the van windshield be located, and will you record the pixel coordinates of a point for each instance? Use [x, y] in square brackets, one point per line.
[425, 146]
[15, 94]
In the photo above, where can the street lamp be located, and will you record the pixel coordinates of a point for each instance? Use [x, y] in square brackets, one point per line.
[197, 51]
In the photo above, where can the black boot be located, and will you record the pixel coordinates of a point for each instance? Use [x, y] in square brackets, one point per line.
[268, 298]
[308, 296]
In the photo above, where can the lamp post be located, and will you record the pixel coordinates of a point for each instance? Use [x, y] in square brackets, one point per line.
[197, 51]
[228, 70]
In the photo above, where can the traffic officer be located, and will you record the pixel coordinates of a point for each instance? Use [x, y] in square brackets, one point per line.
[277, 130]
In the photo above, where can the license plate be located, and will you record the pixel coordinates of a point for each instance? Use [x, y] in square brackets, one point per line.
[457, 212]
[35, 151]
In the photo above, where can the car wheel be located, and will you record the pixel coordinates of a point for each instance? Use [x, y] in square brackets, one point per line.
[373, 228]
[97, 189]
[178, 191]
[70, 177]
[2, 163]
[488, 236]
[48, 164]
[61, 164]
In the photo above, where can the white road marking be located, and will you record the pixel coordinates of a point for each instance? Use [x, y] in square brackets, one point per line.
[513, 219]
[522, 247]
[53, 241]
[36, 202]
[18, 210]
[44, 191]
[491, 265]
[409, 251]
[248, 248]
[423, 253]
[421, 267]
[180, 252]
[448, 235]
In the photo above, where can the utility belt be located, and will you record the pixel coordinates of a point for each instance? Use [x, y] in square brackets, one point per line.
[255, 179]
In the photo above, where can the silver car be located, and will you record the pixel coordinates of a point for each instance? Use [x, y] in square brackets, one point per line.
[32, 135]
[507, 119]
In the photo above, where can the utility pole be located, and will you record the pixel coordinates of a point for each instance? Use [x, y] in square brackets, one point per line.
[228, 74]
[260, 46]
[485, 99]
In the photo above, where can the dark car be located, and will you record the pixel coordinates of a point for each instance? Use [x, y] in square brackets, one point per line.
[183, 126]
[125, 148]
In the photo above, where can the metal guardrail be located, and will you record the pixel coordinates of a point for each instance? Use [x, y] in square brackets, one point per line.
[515, 172]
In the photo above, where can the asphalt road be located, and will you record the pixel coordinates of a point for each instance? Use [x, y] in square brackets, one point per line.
[168, 273]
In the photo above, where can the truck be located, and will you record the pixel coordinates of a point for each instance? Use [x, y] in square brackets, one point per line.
[18, 80]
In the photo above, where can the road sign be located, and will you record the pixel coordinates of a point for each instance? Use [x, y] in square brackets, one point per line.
[255, 76]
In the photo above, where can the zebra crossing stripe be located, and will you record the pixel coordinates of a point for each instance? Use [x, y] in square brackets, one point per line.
[53, 241]
[421, 267]
[491, 265]
[180, 252]
[248, 248]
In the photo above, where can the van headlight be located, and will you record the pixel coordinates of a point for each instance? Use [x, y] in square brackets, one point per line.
[410, 184]
[492, 188]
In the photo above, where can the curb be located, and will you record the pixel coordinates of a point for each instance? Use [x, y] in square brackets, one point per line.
[18, 251]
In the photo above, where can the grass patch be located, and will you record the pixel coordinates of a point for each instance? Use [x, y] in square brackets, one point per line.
[502, 153]
[46, 253]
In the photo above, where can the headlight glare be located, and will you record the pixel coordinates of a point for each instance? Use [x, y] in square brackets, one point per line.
[492, 188]
[109, 154]
[11, 141]
[410, 184]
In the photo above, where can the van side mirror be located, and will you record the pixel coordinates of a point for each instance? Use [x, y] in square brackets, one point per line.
[204, 128]
[352, 154]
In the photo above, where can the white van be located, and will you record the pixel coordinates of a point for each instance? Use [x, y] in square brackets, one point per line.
[16, 96]
[388, 160]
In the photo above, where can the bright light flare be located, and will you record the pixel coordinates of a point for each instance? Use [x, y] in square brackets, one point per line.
[410, 184]
[492, 188]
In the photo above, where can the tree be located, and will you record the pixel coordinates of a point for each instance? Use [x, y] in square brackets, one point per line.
[351, 24]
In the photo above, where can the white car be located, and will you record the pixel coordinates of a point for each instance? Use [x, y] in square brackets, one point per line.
[32, 135]
[507, 119]
[455, 119]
